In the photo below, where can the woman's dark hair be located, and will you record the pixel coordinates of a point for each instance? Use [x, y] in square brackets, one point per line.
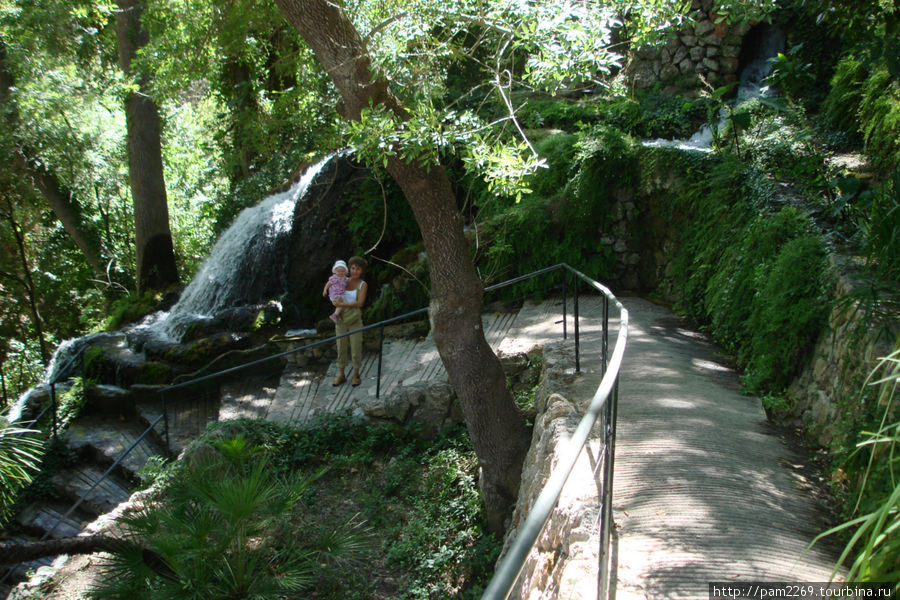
[359, 261]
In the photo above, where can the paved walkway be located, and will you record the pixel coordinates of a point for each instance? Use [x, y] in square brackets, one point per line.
[705, 489]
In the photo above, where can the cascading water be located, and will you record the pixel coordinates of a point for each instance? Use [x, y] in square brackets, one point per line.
[750, 85]
[246, 264]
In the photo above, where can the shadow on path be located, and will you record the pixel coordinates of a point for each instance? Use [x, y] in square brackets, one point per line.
[704, 487]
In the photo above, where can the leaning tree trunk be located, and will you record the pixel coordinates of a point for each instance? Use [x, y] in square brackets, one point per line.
[153, 239]
[496, 426]
[16, 552]
[62, 202]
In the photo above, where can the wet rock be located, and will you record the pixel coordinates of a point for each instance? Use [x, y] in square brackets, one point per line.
[34, 401]
[202, 351]
[112, 361]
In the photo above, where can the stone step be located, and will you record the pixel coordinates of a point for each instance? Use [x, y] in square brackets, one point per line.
[81, 483]
[106, 439]
[50, 518]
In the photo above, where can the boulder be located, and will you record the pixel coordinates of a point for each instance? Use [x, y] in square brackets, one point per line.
[432, 405]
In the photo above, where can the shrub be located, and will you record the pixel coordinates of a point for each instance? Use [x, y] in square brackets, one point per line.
[419, 497]
[879, 113]
[841, 106]
[873, 549]
[865, 99]
[559, 114]
[559, 151]
[226, 530]
[788, 314]
[655, 115]
[606, 162]
[741, 269]
[881, 230]
[754, 277]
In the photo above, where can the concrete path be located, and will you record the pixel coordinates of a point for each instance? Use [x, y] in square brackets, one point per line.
[705, 489]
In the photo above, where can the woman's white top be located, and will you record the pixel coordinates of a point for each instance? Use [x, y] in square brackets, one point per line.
[350, 295]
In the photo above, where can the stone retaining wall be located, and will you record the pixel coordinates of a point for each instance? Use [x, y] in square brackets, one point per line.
[564, 561]
[847, 351]
[705, 48]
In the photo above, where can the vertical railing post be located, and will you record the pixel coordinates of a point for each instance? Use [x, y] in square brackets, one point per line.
[380, 357]
[608, 436]
[575, 316]
[606, 516]
[165, 403]
[53, 402]
[605, 337]
[565, 299]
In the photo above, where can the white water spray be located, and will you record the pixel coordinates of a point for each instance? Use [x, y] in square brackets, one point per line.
[750, 85]
[243, 261]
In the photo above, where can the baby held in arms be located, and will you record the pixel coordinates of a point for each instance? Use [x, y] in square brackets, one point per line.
[336, 286]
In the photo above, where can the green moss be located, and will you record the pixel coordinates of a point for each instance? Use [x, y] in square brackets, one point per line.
[93, 360]
[267, 316]
[154, 373]
[132, 308]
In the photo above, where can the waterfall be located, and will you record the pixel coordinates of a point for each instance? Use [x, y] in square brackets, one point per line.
[246, 264]
[750, 85]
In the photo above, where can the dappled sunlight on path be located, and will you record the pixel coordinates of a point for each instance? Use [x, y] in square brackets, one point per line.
[702, 490]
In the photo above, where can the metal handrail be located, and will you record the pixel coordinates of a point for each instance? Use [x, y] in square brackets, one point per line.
[605, 397]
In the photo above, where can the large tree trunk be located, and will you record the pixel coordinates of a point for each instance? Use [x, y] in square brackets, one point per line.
[61, 201]
[496, 426]
[153, 239]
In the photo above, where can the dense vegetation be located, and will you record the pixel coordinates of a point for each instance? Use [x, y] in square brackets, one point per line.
[758, 218]
[381, 497]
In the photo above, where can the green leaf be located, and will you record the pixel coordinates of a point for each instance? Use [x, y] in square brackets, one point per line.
[741, 120]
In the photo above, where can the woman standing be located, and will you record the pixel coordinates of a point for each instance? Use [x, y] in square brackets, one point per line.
[353, 300]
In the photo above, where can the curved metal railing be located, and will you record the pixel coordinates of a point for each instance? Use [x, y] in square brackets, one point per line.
[604, 401]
